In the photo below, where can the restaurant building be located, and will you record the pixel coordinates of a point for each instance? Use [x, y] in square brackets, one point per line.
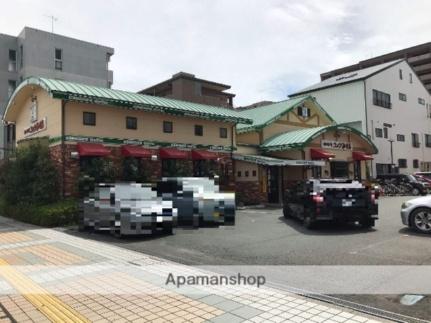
[85, 125]
[293, 140]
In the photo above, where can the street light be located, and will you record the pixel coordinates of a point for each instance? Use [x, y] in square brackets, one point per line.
[391, 141]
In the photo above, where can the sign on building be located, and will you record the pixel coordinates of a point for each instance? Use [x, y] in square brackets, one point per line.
[336, 145]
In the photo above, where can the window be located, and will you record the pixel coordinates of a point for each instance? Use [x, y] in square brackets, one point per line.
[415, 140]
[168, 127]
[11, 87]
[238, 174]
[381, 99]
[131, 123]
[427, 140]
[401, 74]
[415, 163]
[402, 163]
[316, 171]
[59, 59]
[199, 130]
[402, 96]
[12, 60]
[223, 132]
[246, 173]
[401, 138]
[411, 77]
[303, 112]
[385, 132]
[379, 132]
[254, 173]
[89, 118]
[421, 101]
[21, 56]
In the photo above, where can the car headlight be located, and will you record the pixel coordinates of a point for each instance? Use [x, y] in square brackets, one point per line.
[405, 205]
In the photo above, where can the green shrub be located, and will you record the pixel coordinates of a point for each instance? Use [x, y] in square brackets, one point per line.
[31, 178]
[59, 213]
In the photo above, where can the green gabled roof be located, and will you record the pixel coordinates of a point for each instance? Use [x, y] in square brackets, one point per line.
[99, 95]
[299, 139]
[265, 115]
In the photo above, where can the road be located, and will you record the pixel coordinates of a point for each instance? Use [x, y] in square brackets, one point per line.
[264, 237]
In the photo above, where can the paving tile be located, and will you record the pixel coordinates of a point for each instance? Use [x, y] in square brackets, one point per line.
[246, 312]
[228, 305]
[212, 299]
[227, 317]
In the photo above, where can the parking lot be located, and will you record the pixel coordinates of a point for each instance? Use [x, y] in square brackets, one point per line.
[264, 237]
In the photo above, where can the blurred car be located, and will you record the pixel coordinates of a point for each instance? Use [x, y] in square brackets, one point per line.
[423, 178]
[416, 186]
[416, 214]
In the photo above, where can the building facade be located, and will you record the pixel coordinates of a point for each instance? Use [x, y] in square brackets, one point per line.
[388, 103]
[85, 126]
[38, 53]
[294, 140]
[418, 57]
[187, 87]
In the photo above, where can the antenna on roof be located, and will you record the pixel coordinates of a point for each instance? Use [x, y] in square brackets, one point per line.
[53, 19]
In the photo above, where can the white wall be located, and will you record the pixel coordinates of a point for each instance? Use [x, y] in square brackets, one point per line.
[344, 103]
[405, 117]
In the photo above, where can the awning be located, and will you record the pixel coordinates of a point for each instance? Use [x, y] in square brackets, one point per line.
[320, 154]
[359, 155]
[271, 161]
[86, 149]
[135, 151]
[204, 155]
[173, 153]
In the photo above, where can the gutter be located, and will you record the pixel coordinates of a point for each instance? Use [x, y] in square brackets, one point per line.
[63, 148]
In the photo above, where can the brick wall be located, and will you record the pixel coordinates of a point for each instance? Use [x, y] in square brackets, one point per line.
[249, 193]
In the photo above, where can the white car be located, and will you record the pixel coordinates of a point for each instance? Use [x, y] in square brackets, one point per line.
[416, 213]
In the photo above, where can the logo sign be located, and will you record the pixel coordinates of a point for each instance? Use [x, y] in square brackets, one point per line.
[336, 145]
[33, 110]
[35, 127]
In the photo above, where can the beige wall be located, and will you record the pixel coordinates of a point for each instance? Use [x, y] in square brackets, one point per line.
[46, 106]
[242, 167]
[251, 138]
[111, 122]
[247, 150]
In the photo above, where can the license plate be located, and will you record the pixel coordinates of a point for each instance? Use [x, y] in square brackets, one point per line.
[347, 203]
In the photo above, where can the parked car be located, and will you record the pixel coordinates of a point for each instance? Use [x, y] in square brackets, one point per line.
[416, 214]
[342, 200]
[411, 184]
[424, 174]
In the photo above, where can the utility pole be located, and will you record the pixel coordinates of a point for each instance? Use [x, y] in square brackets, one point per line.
[53, 19]
[391, 141]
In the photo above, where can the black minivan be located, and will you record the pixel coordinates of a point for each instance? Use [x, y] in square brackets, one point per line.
[418, 187]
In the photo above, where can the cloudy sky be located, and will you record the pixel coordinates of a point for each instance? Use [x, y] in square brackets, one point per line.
[265, 49]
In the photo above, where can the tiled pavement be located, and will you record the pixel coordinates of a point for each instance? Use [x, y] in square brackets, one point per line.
[48, 275]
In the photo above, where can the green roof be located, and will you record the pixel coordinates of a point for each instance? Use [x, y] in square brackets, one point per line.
[98, 95]
[299, 139]
[265, 115]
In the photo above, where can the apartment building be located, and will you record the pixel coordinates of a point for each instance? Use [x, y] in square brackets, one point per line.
[187, 87]
[38, 53]
[390, 104]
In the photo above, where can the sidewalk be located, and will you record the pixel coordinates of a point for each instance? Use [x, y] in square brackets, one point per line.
[48, 275]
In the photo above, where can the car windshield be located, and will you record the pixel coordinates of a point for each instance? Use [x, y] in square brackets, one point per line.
[412, 178]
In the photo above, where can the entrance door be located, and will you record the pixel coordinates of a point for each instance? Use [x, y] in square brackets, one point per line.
[273, 185]
[339, 169]
[357, 170]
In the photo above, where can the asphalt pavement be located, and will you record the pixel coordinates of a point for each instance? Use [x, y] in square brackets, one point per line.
[265, 237]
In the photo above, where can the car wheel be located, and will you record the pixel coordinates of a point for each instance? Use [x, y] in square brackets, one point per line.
[415, 191]
[308, 222]
[420, 220]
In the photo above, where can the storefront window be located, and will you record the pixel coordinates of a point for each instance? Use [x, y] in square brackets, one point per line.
[135, 170]
[175, 168]
[205, 168]
[99, 168]
[357, 170]
[316, 171]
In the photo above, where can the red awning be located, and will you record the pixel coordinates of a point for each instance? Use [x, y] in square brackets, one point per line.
[203, 154]
[135, 151]
[173, 153]
[320, 154]
[359, 155]
[85, 149]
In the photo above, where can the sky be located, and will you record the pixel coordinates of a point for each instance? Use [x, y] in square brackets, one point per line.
[264, 49]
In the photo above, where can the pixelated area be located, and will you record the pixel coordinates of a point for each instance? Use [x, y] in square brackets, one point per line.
[133, 208]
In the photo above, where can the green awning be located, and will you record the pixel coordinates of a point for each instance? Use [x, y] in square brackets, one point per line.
[271, 161]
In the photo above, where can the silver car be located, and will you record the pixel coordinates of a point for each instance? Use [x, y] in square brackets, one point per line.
[416, 213]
